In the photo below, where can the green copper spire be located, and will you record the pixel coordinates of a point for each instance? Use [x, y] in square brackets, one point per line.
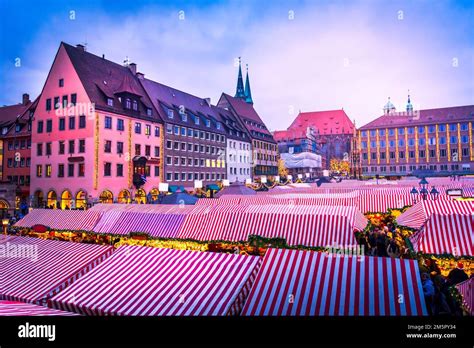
[248, 93]
[240, 93]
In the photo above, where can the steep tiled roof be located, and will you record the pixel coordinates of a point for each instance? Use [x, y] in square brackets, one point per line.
[10, 113]
[175, 99]
[325, 122]
[428, 116]
[104, 79]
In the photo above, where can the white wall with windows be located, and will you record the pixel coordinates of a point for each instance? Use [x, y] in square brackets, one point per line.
[239, 160]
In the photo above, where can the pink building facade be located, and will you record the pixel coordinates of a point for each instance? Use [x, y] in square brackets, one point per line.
[92, 126]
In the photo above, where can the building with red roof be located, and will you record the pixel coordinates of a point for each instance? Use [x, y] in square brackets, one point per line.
[333, 131]
[420, 142]
[15, 151]
[96, 136]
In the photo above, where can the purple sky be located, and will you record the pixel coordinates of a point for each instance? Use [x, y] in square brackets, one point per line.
[331, 55]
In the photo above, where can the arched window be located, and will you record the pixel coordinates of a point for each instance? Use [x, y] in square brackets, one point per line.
[52, 202]
[38, 199]
[66, 200]
[140, 196]
[81, 200]
[154, 193]
[124, 197]
[106, 197]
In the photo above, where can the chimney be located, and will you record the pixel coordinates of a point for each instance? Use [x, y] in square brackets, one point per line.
[140, 75]
[133, 68]
[80, 47]
[26, 99]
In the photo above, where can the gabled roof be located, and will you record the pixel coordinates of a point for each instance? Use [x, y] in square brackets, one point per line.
[17, 114]
[174, 99]
[249, 117]
[324, 122]
[104, 79]
[428, 116]
[9, 114]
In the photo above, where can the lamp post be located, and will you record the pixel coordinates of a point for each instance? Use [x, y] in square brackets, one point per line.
[423, 190]
[5, 223]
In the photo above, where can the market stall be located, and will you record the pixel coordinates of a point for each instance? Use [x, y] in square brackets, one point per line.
[36, 269]
[445, 227]
[298, 224]
[20, 309]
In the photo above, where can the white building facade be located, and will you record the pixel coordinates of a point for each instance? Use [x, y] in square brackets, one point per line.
[239, 160]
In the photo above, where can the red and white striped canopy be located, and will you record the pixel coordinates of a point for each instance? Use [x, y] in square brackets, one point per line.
[298, 224]
[305, 283]
[446, 234]
[466, 289]
[14, 308]
[417, 215]
[155, 225]
[447, 226]
[34, 269]
[77, 220]
[147, 281]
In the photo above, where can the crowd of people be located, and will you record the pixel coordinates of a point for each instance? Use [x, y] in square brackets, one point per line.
[385, 241]
[439, 300]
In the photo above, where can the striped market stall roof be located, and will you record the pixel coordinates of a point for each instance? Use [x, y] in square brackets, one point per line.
[305, 283]
[35, 269]
[466, 289]
[76, 220]
[417, 215]
[145, 281]
[17, 309]
[299, 225]
[147, 208]
[155, 225]
[446, 234]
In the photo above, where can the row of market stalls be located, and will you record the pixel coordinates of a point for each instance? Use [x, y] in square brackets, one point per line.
[146, 281]
[307, 225]
[445, 226]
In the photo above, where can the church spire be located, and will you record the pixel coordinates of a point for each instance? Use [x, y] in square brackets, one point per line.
[248, 93]
[409, 104]
[240, 93]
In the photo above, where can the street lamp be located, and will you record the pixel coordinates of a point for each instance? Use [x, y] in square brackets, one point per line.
[423, 191]
[434, 192]
[5, 223]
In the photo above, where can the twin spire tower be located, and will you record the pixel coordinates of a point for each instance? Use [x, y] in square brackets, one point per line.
[242, 92]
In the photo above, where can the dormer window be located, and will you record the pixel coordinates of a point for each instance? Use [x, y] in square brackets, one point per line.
[4, 130]
[17, 128]
[149, 111]
[110, 102]
[218, 125]
[197, 121]
[135, 105]
[128, 103]
[170, 113]
[208, 123]
[184, 117]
